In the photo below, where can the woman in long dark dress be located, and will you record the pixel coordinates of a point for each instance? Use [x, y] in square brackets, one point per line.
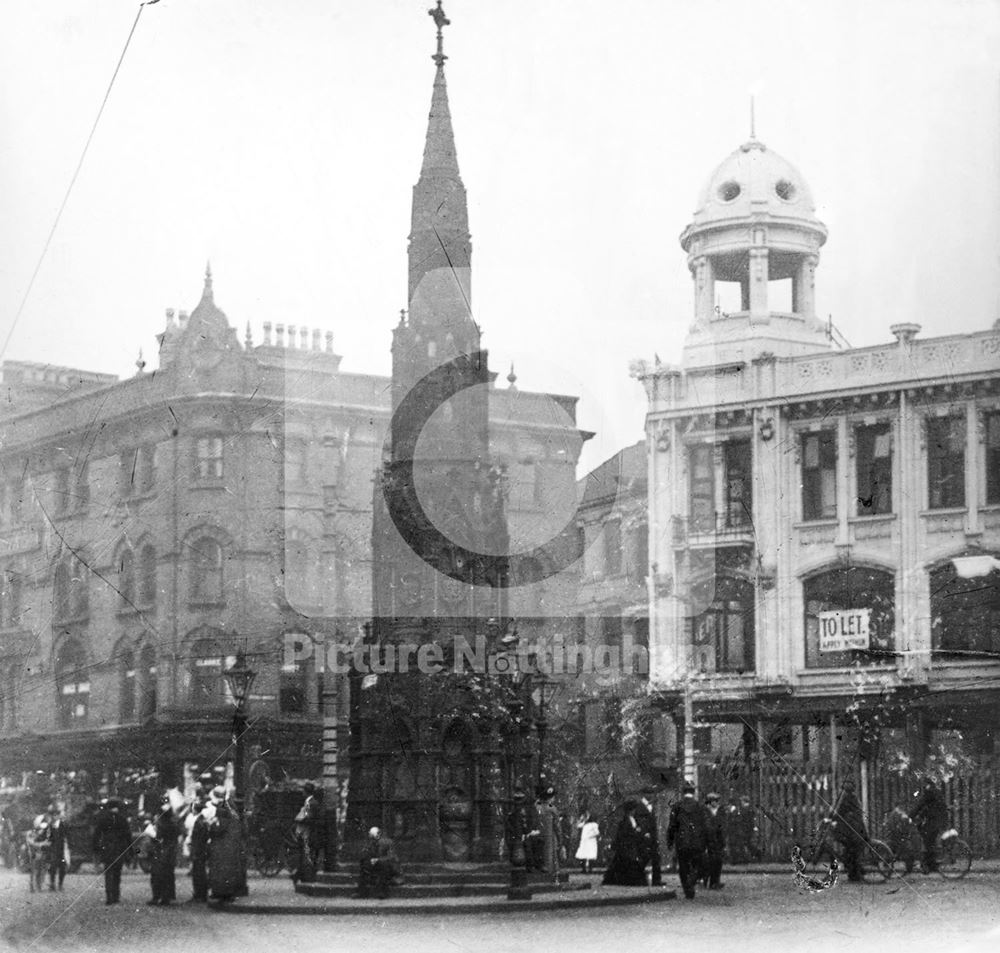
[226, 868]
[628, 855]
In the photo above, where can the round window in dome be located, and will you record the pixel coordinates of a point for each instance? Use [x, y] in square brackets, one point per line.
[784, 190]
[729, 191]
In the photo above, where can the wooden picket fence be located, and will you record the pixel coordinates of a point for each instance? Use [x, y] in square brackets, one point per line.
[791, 801]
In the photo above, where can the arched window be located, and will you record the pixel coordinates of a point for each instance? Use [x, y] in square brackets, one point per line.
[722, 636]
[298, 572]
[126, 686]
[829, 596]
[60, 591]
[14, 592]
[293, 686]
[72, 686]
[206, 571]
[965, 614]
[147, 575]
[206, 683]
[79, 596]
[8, 690]
[126, 578]
[147, 683]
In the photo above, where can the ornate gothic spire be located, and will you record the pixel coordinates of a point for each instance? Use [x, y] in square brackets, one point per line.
[440, 250]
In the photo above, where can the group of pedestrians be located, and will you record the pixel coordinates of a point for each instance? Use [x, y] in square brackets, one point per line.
[212, 831]
[48, 849]
[695, 834]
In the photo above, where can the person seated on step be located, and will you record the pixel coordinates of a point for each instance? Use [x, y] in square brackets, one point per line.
[379, 865]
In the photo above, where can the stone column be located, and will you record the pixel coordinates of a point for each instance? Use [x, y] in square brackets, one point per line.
[758, 282]
[804, 295]
[704, 289]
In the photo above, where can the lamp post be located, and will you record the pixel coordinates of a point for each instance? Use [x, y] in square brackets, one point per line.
[239, 678]
[544, 692]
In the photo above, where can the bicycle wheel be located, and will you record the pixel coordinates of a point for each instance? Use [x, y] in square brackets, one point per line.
[819, 859]
[877, 861]
[955, 858]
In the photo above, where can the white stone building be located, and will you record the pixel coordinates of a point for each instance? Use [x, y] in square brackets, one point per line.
[799, 486]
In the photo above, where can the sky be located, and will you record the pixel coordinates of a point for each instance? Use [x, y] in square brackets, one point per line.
[281, 141]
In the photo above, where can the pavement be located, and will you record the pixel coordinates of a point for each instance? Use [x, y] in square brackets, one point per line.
[755, 913]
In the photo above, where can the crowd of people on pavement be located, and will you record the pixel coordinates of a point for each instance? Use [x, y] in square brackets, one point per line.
[208, 827]
[699, 838]
[701, 835]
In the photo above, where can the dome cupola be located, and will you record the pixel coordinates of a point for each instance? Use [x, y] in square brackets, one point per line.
[754, 230]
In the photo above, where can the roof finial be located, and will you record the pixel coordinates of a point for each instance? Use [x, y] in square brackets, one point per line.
[753, 124]
[512, 377]
[140, 363]
[440, 21]
[208, 281]
[248, 339]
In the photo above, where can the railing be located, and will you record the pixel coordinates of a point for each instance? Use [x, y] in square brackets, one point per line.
[734, 525]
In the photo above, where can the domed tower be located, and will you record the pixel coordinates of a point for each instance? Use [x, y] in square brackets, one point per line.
[755, 227]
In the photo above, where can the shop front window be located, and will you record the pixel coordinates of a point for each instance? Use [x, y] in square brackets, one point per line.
[965, 614]
[831, 599]
[722, 636]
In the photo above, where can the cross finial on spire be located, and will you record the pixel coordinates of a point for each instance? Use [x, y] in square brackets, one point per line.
[440, 21]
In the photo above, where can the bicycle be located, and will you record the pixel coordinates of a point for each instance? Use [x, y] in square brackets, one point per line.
[876, 856]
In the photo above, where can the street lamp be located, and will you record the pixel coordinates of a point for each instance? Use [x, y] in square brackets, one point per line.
[544, 692]
[239, 678]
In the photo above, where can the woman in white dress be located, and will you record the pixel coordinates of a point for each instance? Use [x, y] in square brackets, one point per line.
[586, 853]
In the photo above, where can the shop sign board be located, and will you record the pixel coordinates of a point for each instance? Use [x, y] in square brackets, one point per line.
[842, 630]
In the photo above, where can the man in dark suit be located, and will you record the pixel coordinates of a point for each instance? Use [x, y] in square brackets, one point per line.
[686, 834]
[58, 847]
[849, 823]
[930, 814]
[715, 843]
[378, 865]
[112, 843]
[645, 816]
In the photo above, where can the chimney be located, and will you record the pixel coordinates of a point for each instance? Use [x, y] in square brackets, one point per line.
[905, 333]
[316, 335]
[304, 338]
[170, 318]
[183, 319]
[291, 335]
[329, 342]
[267, 334]
[279, 335]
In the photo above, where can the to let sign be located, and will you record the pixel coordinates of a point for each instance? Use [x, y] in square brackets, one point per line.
[843, 629]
